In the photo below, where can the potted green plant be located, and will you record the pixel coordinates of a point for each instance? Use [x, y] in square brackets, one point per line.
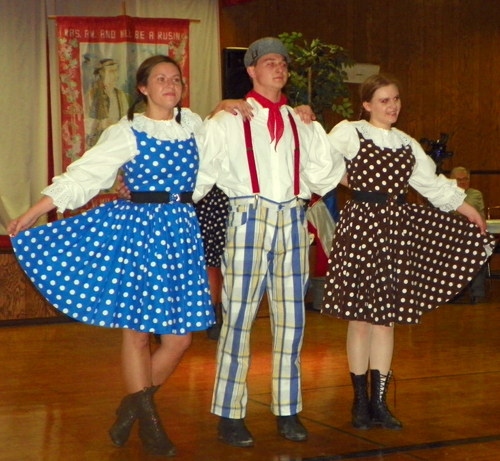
[317, 76]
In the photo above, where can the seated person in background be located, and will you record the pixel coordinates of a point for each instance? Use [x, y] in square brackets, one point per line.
[475, 199]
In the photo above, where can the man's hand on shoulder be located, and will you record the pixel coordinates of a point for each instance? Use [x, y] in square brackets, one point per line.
[122, 190]
[234, 106]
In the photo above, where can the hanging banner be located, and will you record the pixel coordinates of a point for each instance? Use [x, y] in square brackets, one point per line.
[98, 59]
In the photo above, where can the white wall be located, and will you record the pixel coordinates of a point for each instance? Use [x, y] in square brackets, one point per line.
[25, 29]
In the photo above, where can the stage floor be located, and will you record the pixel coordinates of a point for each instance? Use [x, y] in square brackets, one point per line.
[60, 385]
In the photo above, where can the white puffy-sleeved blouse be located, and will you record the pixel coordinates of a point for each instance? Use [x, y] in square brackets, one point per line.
[442, 192]
[98, 167]
[225, 159]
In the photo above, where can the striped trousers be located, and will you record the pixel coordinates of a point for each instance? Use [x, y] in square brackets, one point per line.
[267, 248]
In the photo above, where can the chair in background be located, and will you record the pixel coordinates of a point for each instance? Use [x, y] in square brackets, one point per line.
[493, 212]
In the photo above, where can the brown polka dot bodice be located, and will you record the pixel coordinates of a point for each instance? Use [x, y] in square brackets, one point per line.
[380, 170]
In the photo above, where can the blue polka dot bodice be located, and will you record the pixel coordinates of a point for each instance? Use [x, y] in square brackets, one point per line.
[169, 166]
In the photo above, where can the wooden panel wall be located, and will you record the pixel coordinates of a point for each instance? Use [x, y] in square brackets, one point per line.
[444, 53]
[19, 299]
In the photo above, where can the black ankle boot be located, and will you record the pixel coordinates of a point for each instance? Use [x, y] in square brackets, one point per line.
[234, 432]
[126, 416]
[379, 413]
[154, 439]
[291, 428]
[214, 331]
[360, 412]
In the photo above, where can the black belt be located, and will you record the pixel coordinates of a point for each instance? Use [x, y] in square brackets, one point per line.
[161, 197]
[377, 197]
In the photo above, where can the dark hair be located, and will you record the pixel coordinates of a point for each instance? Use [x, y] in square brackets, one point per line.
[368, 88]
[142, 77]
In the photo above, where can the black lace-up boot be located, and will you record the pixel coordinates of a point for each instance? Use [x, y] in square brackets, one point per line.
[360, 411]
[379, 413]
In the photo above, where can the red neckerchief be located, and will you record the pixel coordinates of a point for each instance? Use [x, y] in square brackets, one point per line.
[275, 123]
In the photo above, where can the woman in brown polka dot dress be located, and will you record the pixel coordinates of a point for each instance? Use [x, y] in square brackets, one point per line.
[392, 261]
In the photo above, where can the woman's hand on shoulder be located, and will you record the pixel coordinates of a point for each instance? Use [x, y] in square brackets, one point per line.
[305, 113]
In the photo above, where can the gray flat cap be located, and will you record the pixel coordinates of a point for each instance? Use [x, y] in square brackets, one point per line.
[262, 47]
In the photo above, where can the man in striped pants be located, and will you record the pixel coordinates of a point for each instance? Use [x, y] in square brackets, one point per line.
[267, 167]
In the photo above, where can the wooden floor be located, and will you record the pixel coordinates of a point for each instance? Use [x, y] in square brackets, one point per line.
[60, 385]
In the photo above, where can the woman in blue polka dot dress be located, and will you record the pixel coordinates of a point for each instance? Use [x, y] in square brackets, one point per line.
[135, 265]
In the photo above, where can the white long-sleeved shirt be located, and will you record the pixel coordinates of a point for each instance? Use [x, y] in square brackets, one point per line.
[97, 168]
[441, 191]
[224, 160]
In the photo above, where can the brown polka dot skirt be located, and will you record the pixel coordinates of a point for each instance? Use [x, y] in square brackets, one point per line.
[391, 262]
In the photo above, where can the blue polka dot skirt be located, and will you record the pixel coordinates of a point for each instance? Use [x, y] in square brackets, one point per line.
[124, 265]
